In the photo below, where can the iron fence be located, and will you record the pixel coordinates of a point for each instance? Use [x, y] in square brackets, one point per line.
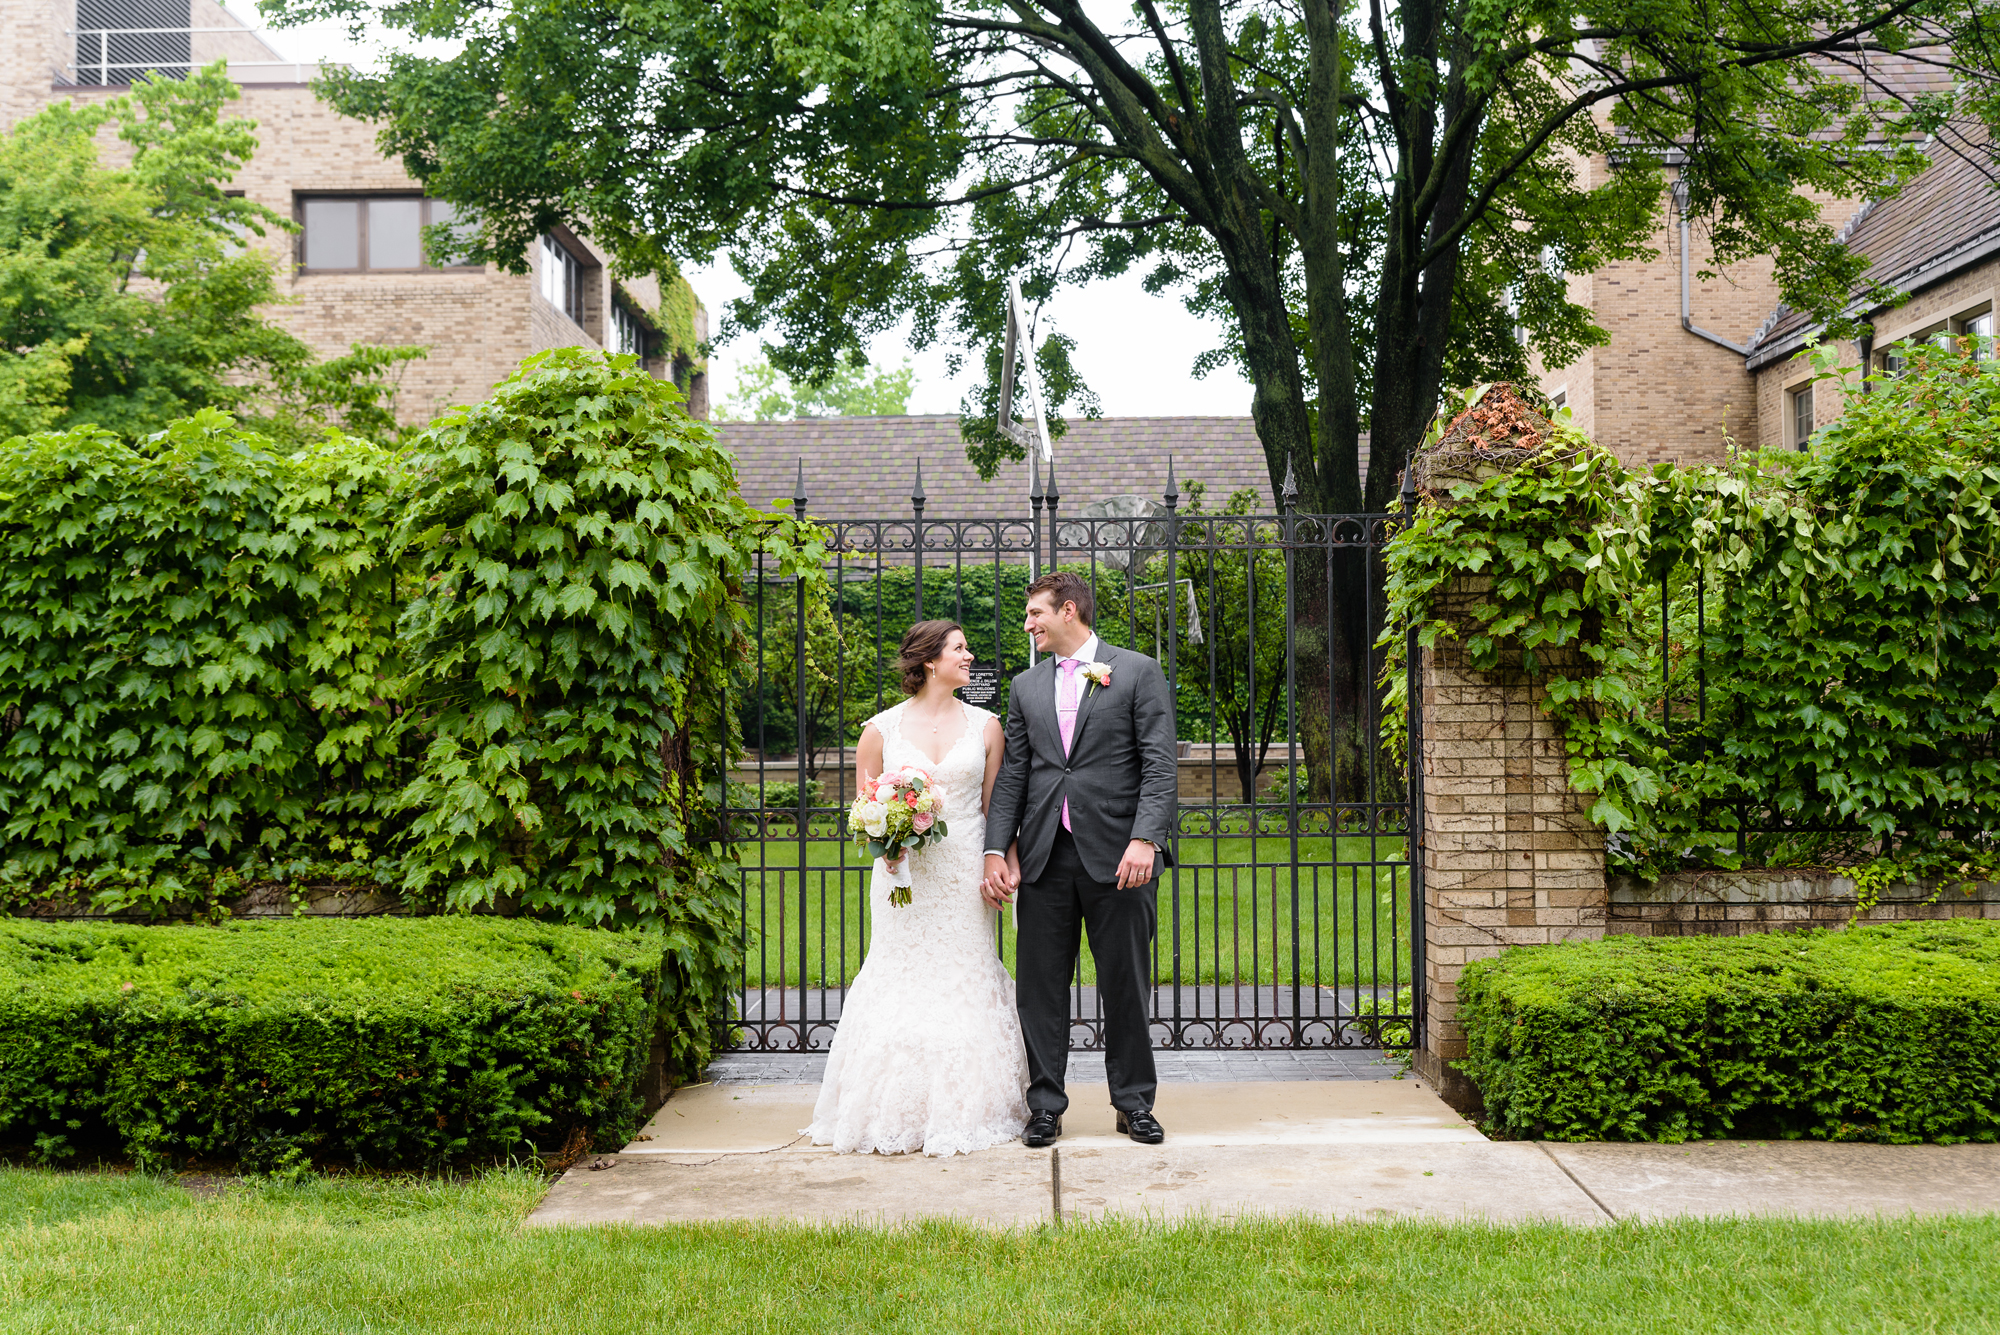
[1689, 728]
[1291, 917]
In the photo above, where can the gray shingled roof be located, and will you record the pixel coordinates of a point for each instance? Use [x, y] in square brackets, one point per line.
[1951, 212]
[865, 467]
[1893, 79]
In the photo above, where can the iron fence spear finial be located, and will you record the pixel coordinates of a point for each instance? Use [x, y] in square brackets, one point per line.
[1288, 494]
[1173, 496]
[917, 537]
[799, 489]
[1054, 496]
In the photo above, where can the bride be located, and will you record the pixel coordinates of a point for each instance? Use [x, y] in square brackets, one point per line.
[928, 1053]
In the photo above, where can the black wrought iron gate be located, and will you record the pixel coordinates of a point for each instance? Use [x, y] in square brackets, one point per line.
[1292, 916]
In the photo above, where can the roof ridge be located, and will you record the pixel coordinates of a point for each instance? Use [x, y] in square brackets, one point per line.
[938, 417]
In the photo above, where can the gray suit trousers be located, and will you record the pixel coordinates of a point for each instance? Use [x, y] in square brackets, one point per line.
[1121, 923]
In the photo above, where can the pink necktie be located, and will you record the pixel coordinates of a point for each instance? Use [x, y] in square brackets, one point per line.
[1066, 670]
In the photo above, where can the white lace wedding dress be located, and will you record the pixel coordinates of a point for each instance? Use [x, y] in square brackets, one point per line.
[928, 1055]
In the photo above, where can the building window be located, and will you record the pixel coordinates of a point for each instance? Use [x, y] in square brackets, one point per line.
[347, 233]
[1977, 332]
[1802, 416]
[1896, 361]
[1559, 400]
[627, 333]
[562, 278]
[1970, 333]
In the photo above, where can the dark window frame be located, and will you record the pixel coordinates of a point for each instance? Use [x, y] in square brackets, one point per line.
[626, 313]
[362, 198]
[1799, 405]
[571, 297]
[1980, 341]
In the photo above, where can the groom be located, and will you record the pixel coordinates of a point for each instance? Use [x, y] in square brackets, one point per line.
[1088, 790]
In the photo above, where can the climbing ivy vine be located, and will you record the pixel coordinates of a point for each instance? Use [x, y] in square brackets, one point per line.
[494, 668]
[1840, 678]
[581, 547]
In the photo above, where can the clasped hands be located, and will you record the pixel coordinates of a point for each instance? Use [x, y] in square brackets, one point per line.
[1003, 878]
[1003, 875]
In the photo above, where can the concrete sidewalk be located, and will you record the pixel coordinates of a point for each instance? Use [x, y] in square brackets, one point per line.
[1340, 1149]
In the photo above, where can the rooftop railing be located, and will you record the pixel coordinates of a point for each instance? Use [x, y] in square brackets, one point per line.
[112, 56]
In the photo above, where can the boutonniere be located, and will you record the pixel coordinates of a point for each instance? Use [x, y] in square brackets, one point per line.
[1097, 674]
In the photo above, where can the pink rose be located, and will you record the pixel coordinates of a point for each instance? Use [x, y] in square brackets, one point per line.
[922, 821]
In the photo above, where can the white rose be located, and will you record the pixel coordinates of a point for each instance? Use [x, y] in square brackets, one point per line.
[872, 817]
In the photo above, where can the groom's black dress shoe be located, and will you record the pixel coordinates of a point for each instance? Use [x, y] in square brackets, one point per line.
[1142, 1127]
[1041, 1131]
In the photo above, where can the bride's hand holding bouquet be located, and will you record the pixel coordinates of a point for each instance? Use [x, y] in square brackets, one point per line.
[900, 811]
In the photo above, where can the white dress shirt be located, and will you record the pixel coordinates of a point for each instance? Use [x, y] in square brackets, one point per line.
[1086, 655]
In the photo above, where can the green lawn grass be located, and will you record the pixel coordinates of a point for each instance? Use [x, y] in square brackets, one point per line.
[99, 1253]
[1235, 921]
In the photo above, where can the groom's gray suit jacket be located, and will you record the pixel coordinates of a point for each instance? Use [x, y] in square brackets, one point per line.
[1121, 775]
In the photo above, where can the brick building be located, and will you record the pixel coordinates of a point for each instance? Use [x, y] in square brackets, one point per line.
[1694, 366]
[1937, 245]
[356, 265]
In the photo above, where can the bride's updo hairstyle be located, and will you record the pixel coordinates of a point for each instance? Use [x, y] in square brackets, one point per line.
[922, 643]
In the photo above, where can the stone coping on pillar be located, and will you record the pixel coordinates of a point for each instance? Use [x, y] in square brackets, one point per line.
[1784, 886]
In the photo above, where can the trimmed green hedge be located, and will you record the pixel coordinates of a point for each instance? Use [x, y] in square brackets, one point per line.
[389, 1042]
[1877, 1033]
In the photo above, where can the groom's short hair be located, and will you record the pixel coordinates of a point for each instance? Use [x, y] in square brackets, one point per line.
[1063, 586]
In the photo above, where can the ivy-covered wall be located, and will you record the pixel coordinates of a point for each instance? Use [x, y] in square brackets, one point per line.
[679, 321]
[1834, 703]
[490, 672]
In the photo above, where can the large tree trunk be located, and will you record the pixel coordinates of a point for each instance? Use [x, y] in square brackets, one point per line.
[1333, 630]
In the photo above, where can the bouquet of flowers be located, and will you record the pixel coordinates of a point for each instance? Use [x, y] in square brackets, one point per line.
[895, 814]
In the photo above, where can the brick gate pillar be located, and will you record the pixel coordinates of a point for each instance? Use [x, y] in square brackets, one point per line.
[1510, 857]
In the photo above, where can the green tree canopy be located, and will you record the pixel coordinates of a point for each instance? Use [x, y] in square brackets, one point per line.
[133, 296]
[1369, 199]
[764, 393]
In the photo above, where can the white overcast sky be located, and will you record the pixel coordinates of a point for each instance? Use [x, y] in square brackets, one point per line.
[1137, 351]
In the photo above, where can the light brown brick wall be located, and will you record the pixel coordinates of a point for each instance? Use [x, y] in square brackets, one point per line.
[476, 325]
[1509, 857]
[1576, 382]
[33, 50]
[1774, 383]
[551, 328]
[1657, 393]
[1953, 296]
[1746, 919]
[1725, 903]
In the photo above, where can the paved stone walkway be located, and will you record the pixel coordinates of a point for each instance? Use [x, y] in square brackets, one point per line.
[807, 1068]
[1332, 1149]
